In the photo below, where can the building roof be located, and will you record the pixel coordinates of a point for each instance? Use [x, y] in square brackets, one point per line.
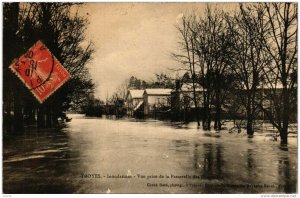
[189, 87]
[136, 93]
[163, 92]
[265, 86]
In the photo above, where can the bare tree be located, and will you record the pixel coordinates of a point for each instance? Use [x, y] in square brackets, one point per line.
[188, 56]
[280, 42]
[206, 43]
[213, 45]
[248, 59]
[122, 90]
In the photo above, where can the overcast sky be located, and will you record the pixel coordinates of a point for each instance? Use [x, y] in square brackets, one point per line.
[132, 39]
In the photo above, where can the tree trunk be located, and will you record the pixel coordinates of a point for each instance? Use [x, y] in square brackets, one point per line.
[18, 115]
[197, 113]
[41, 118]
[7, 118]
[285, 120]
[49, 119]
[250, 112]
[195, 102]
[32, 116]
[55, 118]
[217, 125]
[283, 136]
[250, 130]
[206, 118]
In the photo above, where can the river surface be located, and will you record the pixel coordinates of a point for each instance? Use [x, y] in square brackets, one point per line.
[94, 155]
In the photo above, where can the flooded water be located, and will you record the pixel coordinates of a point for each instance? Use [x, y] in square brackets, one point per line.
[128, 156]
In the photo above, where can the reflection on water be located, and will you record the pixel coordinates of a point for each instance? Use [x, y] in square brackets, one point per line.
[284, 174]
[212, 161]
[250, 159]
[39, 162]
[53, 161]
[250, 162]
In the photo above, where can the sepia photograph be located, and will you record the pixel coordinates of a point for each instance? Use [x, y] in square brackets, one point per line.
[149, 98]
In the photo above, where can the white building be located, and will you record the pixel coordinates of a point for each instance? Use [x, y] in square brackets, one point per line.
[156, 99]
[134, 101]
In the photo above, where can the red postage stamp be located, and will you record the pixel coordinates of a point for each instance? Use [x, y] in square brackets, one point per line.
[40, 71]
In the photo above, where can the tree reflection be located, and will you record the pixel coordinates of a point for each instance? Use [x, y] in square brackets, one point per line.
[210, 162]
[284, 174]
[250, 162]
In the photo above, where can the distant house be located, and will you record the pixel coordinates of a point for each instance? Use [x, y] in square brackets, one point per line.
[183, 96]
[156, 100]
[182, 101]
[134, 101]
[186, 93]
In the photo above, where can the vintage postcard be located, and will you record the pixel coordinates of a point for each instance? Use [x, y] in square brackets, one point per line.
[150, 98]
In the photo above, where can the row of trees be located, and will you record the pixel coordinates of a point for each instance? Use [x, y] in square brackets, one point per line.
[249, 55]
[61, 28]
